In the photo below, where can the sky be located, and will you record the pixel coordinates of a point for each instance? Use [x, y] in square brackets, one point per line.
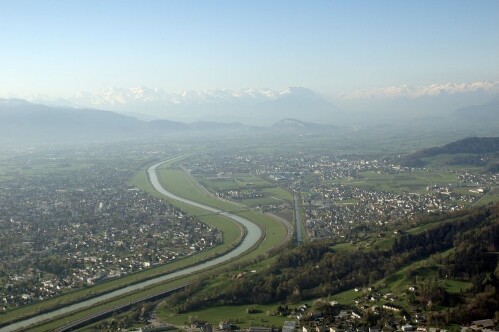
[60, 48]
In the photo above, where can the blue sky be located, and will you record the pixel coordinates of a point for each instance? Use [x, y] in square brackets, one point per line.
[63, 47]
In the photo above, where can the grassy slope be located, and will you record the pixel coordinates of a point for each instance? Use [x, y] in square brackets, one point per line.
[401, 280]
[272, 193]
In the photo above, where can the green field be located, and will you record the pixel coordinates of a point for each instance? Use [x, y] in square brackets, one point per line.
[487, 199]
[456, 286]
[264, 316]
[415, 181]
[346, 297]
[234, 182]
[346, 246]
[272, 194]
[177, 182]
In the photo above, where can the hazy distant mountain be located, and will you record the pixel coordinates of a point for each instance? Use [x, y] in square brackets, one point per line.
[264, 106]
[223, 111]
[479, 113]
[144, 95]
[289, 124]
[212, 105]
[209, 125]
[435, 100]
[250, 106]
[24, 122]
[298, 103]
[166, 125]
[471, 145]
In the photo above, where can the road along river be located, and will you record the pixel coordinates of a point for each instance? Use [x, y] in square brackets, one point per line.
[253, 234]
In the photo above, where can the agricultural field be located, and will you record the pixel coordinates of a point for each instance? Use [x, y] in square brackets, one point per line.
[177, 182]
[234, 182]
[266, 193]
[412, 182]
[487, 199]
[456, 286]
[261, 315]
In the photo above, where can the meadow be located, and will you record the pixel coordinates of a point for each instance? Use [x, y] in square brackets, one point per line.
[262, 315]
[270, 193]
[414, 182]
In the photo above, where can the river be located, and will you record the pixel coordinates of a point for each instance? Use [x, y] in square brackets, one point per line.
[253, 234]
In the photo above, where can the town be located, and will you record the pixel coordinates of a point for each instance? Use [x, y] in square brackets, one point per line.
[339, 193]
[71, 228]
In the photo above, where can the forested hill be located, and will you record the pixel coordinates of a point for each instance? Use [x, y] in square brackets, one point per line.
[471, 145]
[470, 237]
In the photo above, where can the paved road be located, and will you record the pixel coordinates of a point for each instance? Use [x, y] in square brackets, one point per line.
[253, 234]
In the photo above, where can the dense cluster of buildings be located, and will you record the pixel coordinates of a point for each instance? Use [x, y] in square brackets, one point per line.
[331, 211]
[73, 228]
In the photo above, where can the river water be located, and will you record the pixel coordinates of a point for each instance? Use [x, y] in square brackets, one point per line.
[253, 234]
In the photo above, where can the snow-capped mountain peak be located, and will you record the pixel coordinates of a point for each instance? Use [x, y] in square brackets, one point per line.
[299, 92]
[122, 96]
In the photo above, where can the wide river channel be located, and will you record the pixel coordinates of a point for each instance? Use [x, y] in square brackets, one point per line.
[253, 234]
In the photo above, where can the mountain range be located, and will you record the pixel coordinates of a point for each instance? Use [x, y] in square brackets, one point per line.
[24, 122]
[481, 113]
[266, 106]
[296, 111]
[251, 106]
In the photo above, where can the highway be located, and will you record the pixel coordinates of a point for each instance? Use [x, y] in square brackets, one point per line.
[253, 234]
[108, 312]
